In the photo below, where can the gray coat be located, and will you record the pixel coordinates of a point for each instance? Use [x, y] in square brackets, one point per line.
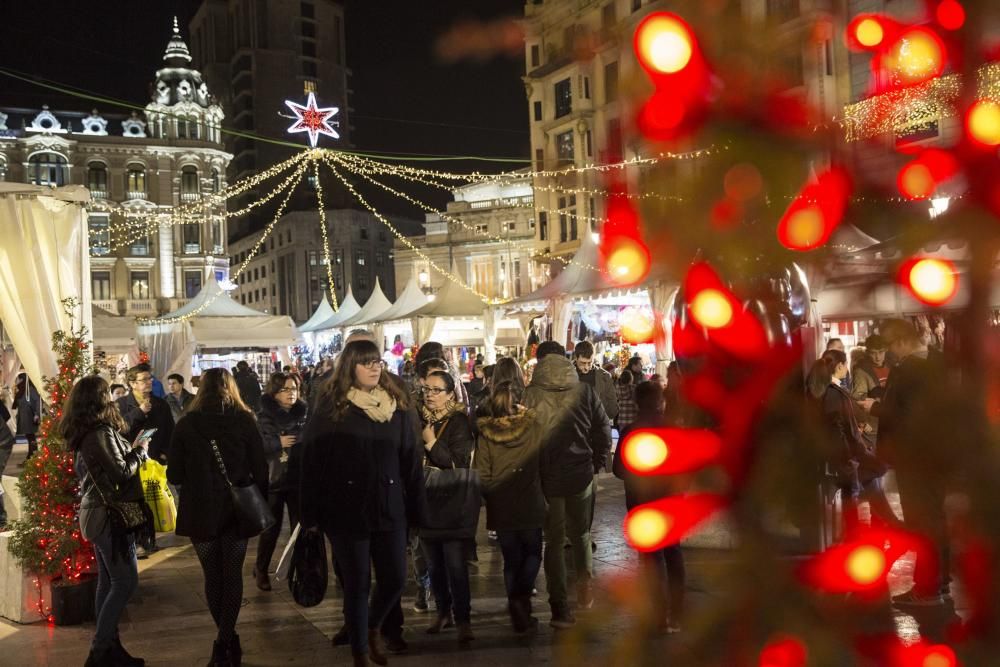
[604, 385]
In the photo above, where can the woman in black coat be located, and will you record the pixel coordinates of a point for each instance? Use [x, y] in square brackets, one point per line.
[108, 469]
[851, 457]
[217, 419]
[281, 420]
[448, 443]
[362, 485]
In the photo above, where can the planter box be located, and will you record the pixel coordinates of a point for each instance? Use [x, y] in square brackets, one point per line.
[74, 603]
[18, 591]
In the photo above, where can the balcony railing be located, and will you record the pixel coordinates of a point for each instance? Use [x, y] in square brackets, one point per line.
[192, 248]
[190, 196]
[110, 305]
[506, 202]
[98, 194]
[140, 306]
[135, 194]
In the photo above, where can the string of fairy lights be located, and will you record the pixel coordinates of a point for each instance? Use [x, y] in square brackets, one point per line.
[323, 232]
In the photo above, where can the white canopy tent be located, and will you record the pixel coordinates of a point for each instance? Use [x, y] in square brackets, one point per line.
[368, 314]
[113, 334]
[216, 321]
[44, 259]
[324, 311]
[348, 308]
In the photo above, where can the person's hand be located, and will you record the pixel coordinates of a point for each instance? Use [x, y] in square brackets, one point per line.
[867, 428]
[428, 435]
[867, 403]
[146, 406]
[141, 443]
[287, 440]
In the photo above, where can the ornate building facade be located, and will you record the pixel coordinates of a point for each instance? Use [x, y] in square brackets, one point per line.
[492, 251]
[146, 165]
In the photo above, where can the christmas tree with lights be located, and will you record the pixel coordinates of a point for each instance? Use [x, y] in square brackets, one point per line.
[47, 541]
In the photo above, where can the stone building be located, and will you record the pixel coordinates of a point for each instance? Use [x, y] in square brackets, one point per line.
[492, 251]
[148, 164]
[288, 275]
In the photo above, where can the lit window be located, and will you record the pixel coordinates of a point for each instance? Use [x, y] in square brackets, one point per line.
[308, 86]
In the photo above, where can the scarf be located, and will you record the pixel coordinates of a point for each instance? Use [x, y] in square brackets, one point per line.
[377, 404]
[434, 416]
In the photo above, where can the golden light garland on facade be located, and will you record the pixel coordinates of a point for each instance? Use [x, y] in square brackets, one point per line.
[323, 233]
[365, 173]
[250, 255]
[916, 106]
[448, 275]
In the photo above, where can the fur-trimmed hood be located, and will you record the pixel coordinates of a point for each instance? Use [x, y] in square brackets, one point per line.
[508, 431]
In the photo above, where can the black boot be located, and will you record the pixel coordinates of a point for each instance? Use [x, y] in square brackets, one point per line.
[122, 658]
[219, 656]
[343, 636]
[100, 658]
[235, 651]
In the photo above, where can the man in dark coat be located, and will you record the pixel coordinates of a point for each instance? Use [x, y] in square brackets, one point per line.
[914, 438]
[142, 410]
[577, 439]
[249, 386]
[178, 398]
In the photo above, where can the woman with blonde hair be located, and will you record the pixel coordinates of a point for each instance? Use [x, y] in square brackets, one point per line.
[217, 426]
[362, 485]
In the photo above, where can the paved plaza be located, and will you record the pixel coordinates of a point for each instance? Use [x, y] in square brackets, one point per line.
[168, 623]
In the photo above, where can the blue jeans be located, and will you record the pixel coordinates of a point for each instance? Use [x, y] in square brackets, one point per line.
[117, 579]
[356, 554]
[666, 569]
[522, 558]
[449, 577]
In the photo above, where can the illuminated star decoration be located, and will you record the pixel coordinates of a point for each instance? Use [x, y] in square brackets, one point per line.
[313, 120]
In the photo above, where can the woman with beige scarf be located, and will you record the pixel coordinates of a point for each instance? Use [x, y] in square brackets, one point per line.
[362, 484]
[448, 443]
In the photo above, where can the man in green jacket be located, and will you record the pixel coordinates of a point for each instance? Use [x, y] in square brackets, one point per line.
[576, 441]
[598, 378]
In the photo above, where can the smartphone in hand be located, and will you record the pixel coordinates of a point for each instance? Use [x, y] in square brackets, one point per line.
[144, 437]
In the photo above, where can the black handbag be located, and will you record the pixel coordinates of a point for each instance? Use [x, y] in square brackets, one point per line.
[253, 514]
[127, 517]
[307, 577]
[454, 498]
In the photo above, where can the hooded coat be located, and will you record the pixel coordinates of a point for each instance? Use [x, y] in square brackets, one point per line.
[508, 463]
[576, 432]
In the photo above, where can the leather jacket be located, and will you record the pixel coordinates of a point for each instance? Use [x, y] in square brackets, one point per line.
[106, 460]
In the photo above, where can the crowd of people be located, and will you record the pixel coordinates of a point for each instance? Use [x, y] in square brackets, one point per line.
[345, 450]
[357, 454]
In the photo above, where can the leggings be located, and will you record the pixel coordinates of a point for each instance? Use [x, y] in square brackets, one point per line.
[222, 562]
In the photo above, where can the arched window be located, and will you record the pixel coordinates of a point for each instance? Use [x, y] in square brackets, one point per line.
[135, 182]
[97, 180]
[3, 168]
[216, 181]
[47, 169]
[190, 189]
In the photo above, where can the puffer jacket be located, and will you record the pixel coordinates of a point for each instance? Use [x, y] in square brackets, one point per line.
[576, 432]
[274, 421]
[507, 461]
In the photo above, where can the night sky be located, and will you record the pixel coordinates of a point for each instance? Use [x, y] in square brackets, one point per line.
[406, 99]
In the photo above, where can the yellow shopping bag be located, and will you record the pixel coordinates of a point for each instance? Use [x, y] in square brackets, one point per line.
[154, 484]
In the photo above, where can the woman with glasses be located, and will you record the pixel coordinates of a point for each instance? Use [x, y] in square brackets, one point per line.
[362, 485]
[448, 443]
[281, 419]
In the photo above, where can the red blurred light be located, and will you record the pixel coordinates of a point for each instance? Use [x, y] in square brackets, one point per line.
[867, 31]
[932, 281]
[816, 211]
[861, 563]
[950, 14]
[982, 123]
[916, 56]
[637, 326]
[659, 524]
[664, 43]
[915, 181]
[627, 262]
[713, 306]
[784, 652]
[669, 451]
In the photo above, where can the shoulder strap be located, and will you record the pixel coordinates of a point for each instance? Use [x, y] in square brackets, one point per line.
[218, 459]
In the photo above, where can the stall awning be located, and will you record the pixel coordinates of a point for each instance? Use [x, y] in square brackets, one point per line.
[376, 305]
[324, 311]
[411, 299]
[348, 309]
